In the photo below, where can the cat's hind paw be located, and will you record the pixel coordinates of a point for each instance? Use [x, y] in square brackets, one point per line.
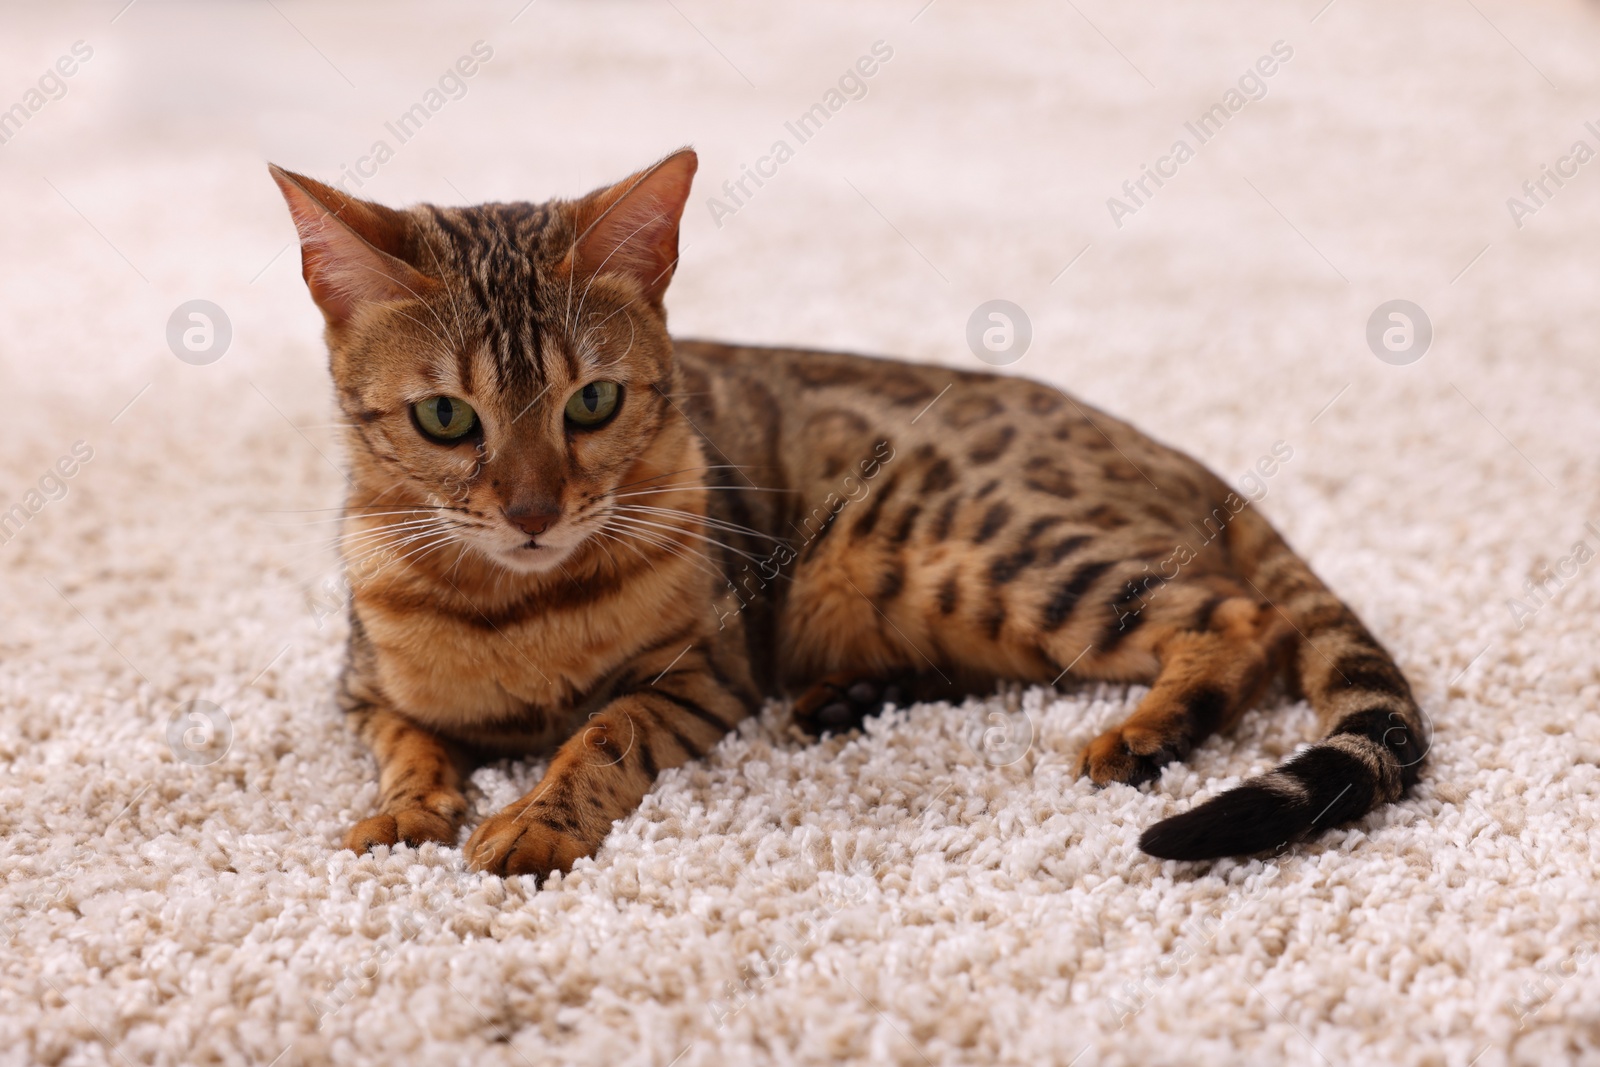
[1127, 754]
[840, 703]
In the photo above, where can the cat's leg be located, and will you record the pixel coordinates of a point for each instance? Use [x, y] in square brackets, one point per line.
[419, 781]
[1216, 656]
[675, 706]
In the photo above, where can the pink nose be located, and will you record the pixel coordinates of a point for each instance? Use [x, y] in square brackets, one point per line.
[533, 520]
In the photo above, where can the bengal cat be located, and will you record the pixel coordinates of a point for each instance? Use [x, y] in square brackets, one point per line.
[567, 532]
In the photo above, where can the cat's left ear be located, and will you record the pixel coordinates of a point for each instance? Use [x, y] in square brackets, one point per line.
[631, 228]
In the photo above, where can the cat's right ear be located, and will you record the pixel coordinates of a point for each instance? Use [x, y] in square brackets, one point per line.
[352, 252]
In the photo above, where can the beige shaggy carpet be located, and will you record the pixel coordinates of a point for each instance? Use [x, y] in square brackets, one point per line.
[942, 888]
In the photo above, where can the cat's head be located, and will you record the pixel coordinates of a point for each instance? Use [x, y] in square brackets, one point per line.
[505, 368]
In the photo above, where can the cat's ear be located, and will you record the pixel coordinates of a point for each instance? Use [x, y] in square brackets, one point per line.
[351, 251]
[631, 228]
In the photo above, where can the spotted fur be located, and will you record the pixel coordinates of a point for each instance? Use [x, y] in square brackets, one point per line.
[838, 528]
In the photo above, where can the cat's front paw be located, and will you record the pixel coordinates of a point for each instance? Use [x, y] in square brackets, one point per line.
[406, 827]
[523, 840]
[436, 819]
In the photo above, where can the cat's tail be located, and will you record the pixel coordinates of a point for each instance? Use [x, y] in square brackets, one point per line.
[1373, 741]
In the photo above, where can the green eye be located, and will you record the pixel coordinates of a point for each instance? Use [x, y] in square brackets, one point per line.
[445, 418]
[593, 404]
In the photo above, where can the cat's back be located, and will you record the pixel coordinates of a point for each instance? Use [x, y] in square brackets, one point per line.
[807, 419]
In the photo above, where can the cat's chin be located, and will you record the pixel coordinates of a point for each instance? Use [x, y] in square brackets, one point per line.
[542, 559]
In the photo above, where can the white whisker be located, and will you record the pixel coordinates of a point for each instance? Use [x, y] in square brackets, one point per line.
[714, 523]
[635, 520]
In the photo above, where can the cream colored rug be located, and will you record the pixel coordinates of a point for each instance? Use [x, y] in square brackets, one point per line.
[916, 894]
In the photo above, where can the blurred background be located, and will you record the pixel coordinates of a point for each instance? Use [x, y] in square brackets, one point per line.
[995, 152]
[977, 163]
[1223, 309]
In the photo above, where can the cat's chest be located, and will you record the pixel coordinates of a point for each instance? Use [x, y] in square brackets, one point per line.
[518, 675]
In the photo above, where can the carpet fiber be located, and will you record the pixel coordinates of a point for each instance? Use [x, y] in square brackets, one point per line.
[941, 888]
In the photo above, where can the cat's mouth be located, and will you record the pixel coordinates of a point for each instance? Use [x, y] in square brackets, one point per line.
[533, 548]
[532, 555]
[533, 551]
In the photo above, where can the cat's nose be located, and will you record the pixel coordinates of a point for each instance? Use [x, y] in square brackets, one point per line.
[533, 519]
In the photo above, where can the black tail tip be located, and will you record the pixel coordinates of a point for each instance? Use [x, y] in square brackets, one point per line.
[1243, 821]
[1321, 787]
